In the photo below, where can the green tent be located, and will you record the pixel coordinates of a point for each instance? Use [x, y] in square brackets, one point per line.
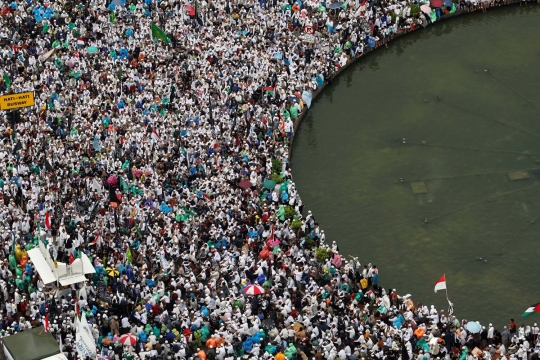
[34, 344]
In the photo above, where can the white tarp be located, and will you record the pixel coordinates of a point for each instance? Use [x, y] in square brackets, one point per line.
[44, 270]
[87, 266]
[64, 273]
[68, 280]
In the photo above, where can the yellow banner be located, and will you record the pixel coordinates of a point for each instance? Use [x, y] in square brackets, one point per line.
[15, 101]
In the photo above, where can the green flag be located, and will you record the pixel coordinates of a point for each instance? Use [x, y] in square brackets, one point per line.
[159, 34]
[534, 309]
[112, 17]
[129, 257]
[7, 81]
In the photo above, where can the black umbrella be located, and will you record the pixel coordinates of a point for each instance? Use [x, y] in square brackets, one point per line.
[268, 324]
[323, 327]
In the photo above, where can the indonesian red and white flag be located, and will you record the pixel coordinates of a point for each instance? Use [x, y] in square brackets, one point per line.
[155, 135]
[441, 284]
[46, 323]
[271, 238]
[363, 5]
[48, 221]
[77, 309]
[96, 239]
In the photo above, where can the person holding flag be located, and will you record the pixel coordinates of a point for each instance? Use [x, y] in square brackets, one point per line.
[441, 285]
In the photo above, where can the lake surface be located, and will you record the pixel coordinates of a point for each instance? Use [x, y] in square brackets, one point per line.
[465, 128]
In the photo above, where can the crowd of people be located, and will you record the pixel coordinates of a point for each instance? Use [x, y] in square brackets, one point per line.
[158, 146]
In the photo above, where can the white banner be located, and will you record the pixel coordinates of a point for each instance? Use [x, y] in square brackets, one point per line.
[83, 349]
[84, 341]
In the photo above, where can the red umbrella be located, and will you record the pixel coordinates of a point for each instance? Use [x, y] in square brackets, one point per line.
[436, 3]
[244, 184]
[254, 289]
[191, 10]
[128, 339]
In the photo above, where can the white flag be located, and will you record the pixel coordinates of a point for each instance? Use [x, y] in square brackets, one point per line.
[164, 263]
[84, 341]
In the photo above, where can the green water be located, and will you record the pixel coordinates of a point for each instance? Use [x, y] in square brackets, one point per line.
[346, 162]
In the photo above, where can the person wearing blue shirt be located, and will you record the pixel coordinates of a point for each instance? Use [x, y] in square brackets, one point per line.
[284, 197]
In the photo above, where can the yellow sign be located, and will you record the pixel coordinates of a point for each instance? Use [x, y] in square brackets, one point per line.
[15, 101]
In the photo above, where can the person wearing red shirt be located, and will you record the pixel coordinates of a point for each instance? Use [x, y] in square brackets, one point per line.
[512, 326]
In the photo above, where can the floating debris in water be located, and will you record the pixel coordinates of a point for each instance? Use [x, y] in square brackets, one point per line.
[419, 187]
[518, 175]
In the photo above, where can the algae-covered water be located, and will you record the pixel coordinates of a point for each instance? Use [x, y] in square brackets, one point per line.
[354, 171]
